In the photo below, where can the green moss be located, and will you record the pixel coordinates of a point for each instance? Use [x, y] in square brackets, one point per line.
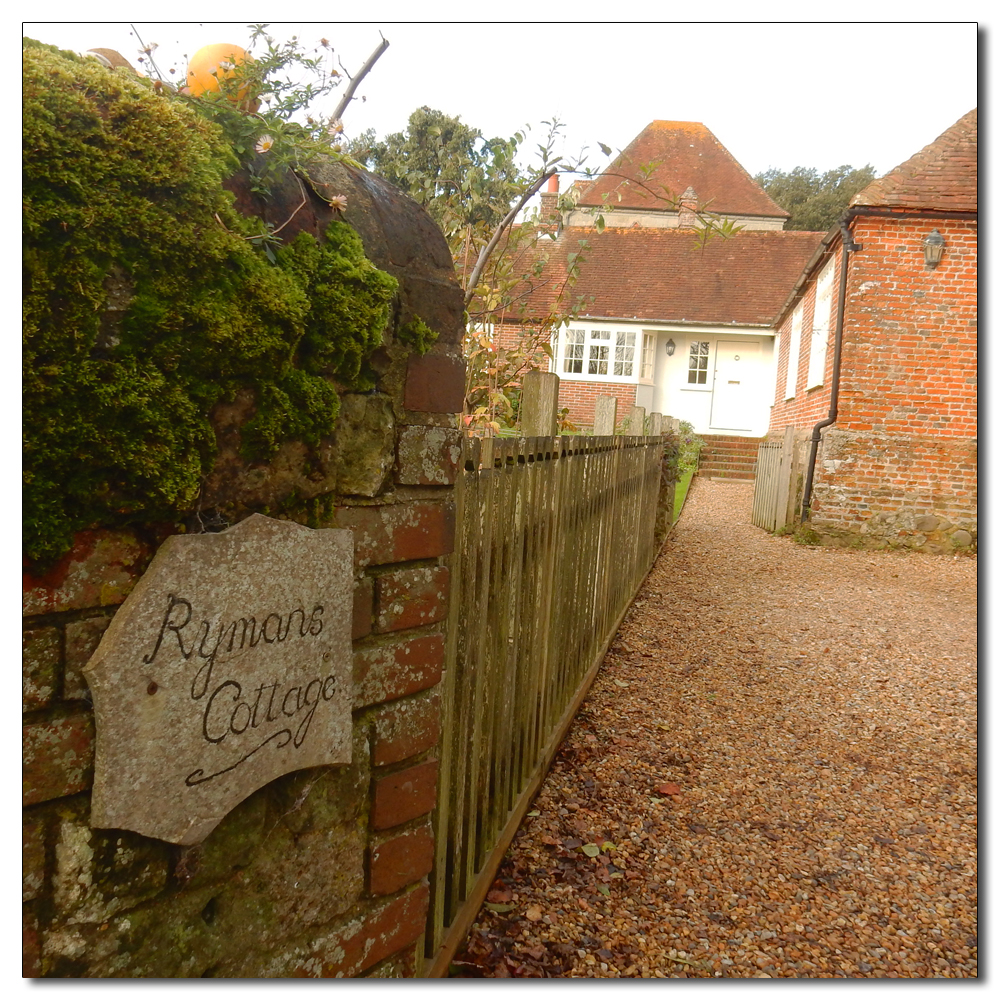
[144, 305]
[417, 334]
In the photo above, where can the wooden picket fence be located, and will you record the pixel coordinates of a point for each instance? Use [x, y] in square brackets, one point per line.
[554, 537]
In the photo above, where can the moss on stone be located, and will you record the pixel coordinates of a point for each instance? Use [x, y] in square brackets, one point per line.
[417, 334]
[144, 305]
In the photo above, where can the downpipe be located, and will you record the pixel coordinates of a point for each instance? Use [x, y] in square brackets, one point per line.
[849, 247]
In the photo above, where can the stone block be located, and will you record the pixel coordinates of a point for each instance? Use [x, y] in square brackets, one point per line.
[440, 304]
[39, 667]
[401, 860]
[435, 383]
[409, 598]
[399, 532]
[82, 639]
[99, 873]
[428, 456]
[407, 727]
[397, 667]
[346, 951]
[31, 944]
[34, 826]
[57, 757]
[365, 443]
[100, 570]
[404, 795]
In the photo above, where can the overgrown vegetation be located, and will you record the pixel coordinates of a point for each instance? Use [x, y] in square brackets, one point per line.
[145, 304]
[816, 201]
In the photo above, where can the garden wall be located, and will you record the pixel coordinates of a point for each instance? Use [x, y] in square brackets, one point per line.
[322, 872]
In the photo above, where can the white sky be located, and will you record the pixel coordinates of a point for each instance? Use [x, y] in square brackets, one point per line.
[775, 94]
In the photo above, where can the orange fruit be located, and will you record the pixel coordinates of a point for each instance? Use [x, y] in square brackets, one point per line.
[205, 69]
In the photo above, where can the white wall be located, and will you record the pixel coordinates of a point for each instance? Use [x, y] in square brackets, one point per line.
[675, 396]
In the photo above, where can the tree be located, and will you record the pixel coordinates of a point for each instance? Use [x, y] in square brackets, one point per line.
[815, 201]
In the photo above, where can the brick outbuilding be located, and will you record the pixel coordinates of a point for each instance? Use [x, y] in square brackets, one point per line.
[898, 461]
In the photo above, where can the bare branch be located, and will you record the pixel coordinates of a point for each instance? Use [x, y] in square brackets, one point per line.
[362, 73]
[484, 256]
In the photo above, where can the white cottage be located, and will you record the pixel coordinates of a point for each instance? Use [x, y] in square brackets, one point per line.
[678, 328]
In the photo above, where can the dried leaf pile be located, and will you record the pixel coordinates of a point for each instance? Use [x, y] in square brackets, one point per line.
[774, 774]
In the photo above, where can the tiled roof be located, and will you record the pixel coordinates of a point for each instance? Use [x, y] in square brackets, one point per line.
[659, 274]
[943, 176]
[685, 154]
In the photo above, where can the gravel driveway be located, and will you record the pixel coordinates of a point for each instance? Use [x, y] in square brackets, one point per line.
[774, 774]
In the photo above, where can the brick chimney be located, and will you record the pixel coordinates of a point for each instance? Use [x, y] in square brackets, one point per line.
[549, 209]
[687, 209]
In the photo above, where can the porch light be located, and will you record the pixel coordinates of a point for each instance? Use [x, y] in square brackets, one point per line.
[933, 248]
[671, 346]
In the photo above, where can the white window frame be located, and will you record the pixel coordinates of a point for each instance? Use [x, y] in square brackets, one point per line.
[821, 327]
[794, 342]
[647, 362]
[601, 350]
[709, 368]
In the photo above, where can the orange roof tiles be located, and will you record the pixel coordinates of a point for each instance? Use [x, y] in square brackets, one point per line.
[943, 176]
[659, 274]
[681, 154]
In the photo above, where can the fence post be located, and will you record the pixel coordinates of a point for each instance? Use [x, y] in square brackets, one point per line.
[636, 421]
[539, 398]
[655, 424]
[605, 415]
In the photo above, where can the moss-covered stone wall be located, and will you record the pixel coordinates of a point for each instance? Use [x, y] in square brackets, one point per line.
[178, 380]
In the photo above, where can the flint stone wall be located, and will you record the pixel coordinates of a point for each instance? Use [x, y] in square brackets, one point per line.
[320, 873]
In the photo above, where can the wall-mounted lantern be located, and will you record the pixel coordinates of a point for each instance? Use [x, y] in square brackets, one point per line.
[933, 248]
[671, 347]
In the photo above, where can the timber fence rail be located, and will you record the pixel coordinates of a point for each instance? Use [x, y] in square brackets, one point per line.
[554, 537]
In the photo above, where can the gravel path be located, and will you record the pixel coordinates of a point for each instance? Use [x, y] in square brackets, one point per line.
[774, 774]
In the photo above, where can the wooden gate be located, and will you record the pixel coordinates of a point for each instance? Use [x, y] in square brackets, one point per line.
[554, 537]
[776, 486]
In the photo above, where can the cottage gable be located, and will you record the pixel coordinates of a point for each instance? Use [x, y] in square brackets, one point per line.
[943, 176]
[681, 160]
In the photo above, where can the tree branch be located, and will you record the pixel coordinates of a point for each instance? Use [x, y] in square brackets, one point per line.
[355, 82]
[484, 256]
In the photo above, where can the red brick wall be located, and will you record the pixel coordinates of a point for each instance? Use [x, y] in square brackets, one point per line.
[900, 462]
[579, 398]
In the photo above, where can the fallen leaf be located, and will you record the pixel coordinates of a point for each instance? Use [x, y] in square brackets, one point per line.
[500, 907]
[498, 896]
[572, 844]
[591, 850]
[534, 812]
[621, 684]
[608, 846]
[533, 913]
[604, 890]
[669, 788]
[537, 953]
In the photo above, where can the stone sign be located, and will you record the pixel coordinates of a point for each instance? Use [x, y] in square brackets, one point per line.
[228, 665]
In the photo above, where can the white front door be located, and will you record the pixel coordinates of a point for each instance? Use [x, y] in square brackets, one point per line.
[733, 394]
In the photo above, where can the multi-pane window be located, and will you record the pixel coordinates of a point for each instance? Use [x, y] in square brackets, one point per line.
[573, 351]
[648, 346]
[698, 363]
[821, 327]
[598, 353]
